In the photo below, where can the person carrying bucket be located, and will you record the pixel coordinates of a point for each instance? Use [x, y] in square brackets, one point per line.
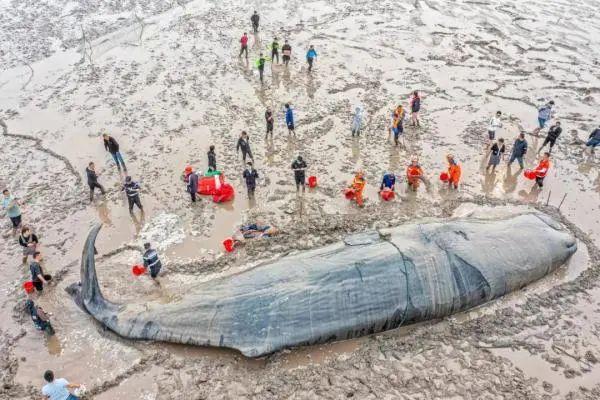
[356, 188]
[414, 174]
[388, 182]
[542, 169]
[38, 278]
[454, 172]
[299, 167]
[151, 260]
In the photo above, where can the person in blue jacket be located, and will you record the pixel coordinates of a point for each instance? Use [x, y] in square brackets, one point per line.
[289, 118]
[388, 182]
[311, 54]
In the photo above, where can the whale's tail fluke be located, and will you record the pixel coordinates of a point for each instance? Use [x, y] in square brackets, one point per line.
[91, 296]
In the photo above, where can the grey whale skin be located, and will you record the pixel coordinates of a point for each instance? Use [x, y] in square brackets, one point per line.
[367, 283]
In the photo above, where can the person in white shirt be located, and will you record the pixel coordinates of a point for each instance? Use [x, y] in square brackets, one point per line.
[58, 389]
[494, 125]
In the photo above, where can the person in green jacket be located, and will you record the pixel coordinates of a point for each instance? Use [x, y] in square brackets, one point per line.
[261, 67]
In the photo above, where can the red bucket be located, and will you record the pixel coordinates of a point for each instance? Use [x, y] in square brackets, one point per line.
[444, 177]
[349, 193]
[28, 286]
[312, 181]
[138, 270]
[387, 195]
[228, 244]
[529, 174]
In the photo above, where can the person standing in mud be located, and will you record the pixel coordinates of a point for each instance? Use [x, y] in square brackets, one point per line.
[518, 151]
[38, 278]
[29, 242]
[494, 124]
[496, 153]
[311, 55]
[250, 176]
[357, 121]
[132, 190]
[454, 172]
[192, 183]
[11, 207]
[151, 260]
[544, 115]
[244, 44]
[542, 169]
[270, 121]
[553, 134]
[415, 107]
[92, 180]
[275, 51]
[398, 123]
[212, 158]
[255, 18]
[111, 145]
[260, 64]
[243, 144]
[299, 167]
[286, 51]
[289, 119]
[58, 389]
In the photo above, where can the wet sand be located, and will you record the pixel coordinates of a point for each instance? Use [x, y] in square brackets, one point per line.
[166, 81]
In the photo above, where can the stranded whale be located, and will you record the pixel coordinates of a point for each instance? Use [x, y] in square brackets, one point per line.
[367, 283]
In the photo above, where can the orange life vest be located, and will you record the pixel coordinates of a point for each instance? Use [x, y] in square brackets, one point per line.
[454, 171]
[542, 169]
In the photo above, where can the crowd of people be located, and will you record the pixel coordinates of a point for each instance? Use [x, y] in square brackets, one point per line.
[58, 389]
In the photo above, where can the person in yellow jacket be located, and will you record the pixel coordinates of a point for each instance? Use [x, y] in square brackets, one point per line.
[454, 171]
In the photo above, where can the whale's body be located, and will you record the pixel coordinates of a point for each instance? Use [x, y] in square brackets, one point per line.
[367, 283]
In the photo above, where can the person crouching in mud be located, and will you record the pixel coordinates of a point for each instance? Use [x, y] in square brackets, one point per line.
[357, 186]
[151, 260]
[414, 174]
[40, 318]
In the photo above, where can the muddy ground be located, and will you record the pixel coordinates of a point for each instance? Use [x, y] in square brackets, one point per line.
[164, 78]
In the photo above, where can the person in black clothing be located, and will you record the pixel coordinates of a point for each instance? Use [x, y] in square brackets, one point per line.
[299, 167]
[29, 242]
[275, 50]
[212, 159]
[38, 277]
[255, 19]
[92, 180]
[270, 121]
[286, 51]
[553, 134]
[40, 319]
[132, 190]
[151, 260]
[192, 184]
[243, 144]
[111, 145]
[496, 152]
[250, 176]
[261, 67]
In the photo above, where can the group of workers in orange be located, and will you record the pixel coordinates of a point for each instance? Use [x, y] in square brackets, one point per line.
[414, 176]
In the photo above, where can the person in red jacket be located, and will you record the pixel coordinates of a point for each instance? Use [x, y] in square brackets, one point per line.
[542, 169]
[244, 43]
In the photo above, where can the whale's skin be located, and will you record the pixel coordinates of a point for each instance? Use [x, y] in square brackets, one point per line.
[367, 283]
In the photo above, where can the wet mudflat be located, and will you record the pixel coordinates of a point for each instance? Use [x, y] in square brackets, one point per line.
[164, 78]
